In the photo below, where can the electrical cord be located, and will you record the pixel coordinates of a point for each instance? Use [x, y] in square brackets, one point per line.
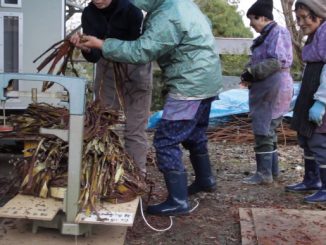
[196, 206]
[171, 217]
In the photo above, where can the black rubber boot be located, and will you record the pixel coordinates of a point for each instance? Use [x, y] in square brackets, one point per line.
[311, 180]
[263, 174]
[320, 195]
[177, 201]
[275, 165]
[205, 180]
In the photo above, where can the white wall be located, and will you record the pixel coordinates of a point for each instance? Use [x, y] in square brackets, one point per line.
[43, 25]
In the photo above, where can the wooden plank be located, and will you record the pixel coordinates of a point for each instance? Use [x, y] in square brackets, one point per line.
[19, 231]
[248, 233]
[29, 207]
[289, 226]
[122, 214]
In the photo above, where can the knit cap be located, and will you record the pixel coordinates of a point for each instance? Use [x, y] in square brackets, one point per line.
[262, 8]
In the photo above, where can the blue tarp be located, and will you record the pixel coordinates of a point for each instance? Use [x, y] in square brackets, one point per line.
[230, 102]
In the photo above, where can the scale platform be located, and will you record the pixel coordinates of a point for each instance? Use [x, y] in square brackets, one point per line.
[118, 216]
[29, 207]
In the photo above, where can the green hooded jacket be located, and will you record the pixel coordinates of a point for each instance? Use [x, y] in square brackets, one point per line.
[179, 37]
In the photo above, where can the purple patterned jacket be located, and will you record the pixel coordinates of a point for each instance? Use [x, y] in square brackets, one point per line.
[270, 98]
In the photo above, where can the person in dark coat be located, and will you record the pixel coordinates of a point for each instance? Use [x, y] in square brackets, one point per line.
[309, 118]
[122, 20]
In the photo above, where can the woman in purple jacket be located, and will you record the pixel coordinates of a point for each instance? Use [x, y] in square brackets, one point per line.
[309, 118]
[270, 87]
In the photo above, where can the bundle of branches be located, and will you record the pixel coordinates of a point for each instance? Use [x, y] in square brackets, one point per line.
[107, 171]
[39, 115]
[47, 164]
[98, 119]
[238, 130]
[62, 50]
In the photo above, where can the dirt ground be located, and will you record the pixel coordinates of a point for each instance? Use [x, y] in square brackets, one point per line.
[216, 220]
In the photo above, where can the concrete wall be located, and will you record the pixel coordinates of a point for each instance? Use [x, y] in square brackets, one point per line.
[233, 45]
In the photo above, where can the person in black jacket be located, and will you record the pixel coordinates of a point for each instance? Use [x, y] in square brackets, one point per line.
[110, 19]
[122, 20]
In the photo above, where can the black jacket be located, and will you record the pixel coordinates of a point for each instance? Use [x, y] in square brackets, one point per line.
[120, 20]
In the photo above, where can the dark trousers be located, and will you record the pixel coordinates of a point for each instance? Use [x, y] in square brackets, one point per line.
[190, 133]
[314, 146]
[136, 95]
[267, 143]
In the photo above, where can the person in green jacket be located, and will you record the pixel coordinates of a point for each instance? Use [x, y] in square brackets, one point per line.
[179, 37]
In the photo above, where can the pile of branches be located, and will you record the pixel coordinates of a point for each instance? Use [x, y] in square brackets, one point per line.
[47, 165]
[108, 172]
[39, 115]
[238, 130]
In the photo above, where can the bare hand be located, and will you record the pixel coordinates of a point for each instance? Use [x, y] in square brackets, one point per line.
[76, 40]
[91, 42]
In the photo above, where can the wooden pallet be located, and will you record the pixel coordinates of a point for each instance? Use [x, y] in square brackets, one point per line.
[29, 207]
[35, 208]
[282, 226]
[248, 232]
[23, 208]
[111, 214]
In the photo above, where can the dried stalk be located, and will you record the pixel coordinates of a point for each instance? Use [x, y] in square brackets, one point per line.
[238, 130]
[108, 173]
[62, 50]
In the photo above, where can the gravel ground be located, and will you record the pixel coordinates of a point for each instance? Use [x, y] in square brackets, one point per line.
[216, 220]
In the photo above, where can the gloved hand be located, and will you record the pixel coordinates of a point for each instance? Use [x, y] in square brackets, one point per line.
[317, 112]
[246, 76]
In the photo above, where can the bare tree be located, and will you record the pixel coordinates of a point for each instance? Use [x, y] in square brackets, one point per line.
[74, 7]
[297, 37]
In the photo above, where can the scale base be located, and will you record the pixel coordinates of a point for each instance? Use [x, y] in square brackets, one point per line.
[65, 228]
